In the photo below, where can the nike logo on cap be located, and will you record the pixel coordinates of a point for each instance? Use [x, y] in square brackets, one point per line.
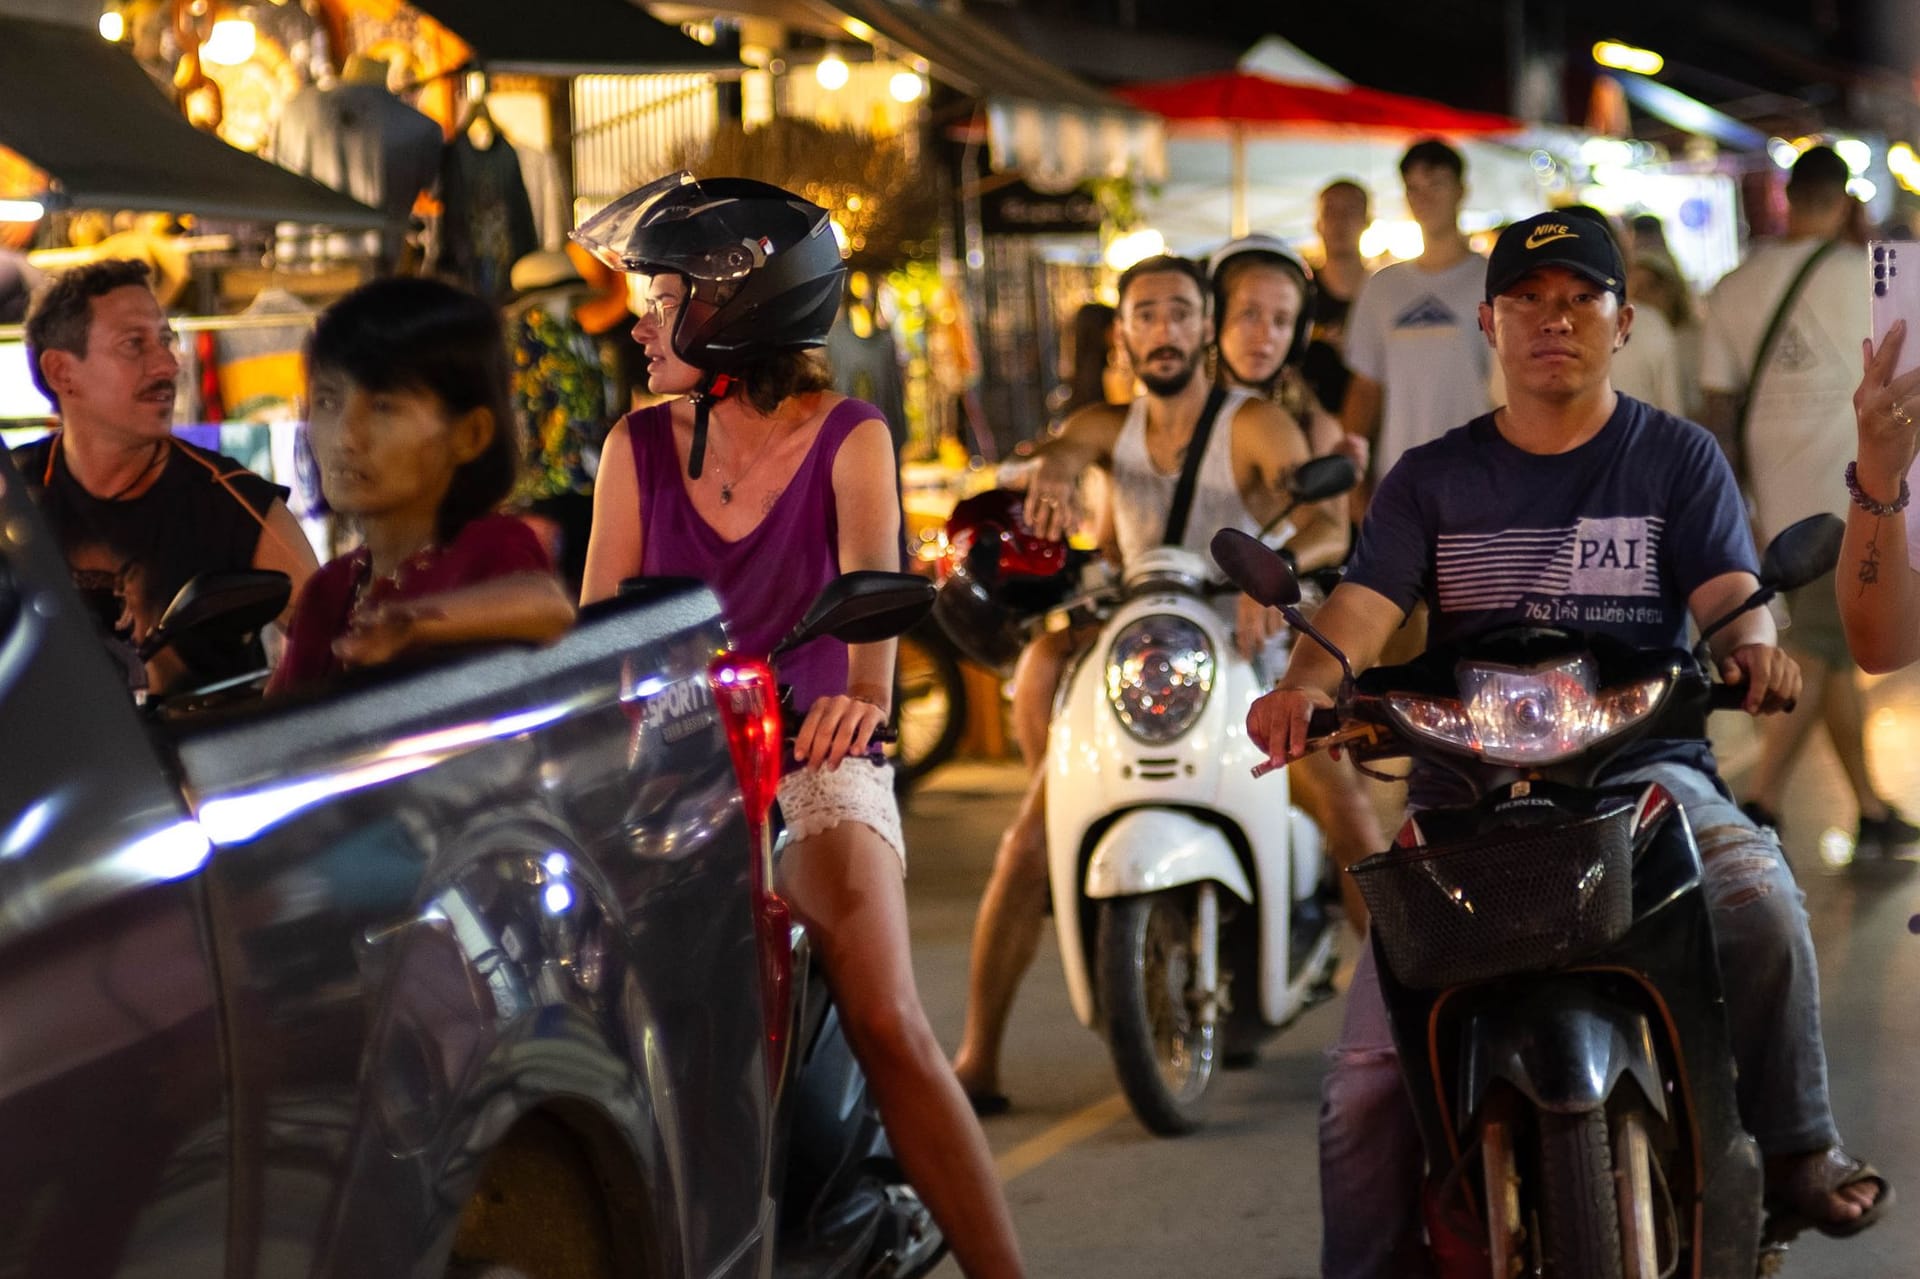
[1547, 232]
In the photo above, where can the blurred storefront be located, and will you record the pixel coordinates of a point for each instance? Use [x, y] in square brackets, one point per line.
[265, 158]
[217, 139]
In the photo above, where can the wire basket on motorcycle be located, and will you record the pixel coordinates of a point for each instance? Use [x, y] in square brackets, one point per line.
[1503, 901]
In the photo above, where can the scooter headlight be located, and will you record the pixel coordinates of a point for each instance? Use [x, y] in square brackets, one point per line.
[1159, 673]
[1525, 717]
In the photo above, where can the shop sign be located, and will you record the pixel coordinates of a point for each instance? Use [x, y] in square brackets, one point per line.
[1018, 209]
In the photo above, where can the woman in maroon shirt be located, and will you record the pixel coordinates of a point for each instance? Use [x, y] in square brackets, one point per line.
[412, 426]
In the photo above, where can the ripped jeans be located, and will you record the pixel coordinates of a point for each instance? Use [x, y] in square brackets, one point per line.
[1370, 1153]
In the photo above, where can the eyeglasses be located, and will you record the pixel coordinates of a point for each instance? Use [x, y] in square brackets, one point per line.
[659, 312]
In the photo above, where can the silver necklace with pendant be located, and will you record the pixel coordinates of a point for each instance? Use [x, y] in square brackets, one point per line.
[727, 486]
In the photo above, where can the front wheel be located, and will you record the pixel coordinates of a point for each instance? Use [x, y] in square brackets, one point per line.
[1160, 1024]
[1578, 1202]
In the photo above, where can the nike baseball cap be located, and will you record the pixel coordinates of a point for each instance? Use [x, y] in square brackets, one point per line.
[1577, 241]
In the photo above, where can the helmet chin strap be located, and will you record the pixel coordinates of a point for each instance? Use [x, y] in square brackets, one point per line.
[714, 386]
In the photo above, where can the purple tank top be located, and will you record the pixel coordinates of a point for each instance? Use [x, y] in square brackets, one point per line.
[767, 579]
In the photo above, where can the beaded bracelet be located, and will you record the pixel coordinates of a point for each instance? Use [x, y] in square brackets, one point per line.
[1867, 504]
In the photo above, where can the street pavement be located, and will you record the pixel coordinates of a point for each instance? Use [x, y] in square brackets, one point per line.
[1094, 1196]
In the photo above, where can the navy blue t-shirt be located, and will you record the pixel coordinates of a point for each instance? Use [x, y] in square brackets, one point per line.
[1611, 537]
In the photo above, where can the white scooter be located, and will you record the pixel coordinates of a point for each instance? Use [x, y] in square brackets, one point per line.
[1192, 904]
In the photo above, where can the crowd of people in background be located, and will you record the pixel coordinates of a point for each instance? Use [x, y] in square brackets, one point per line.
[432, 413]
[1765, 360]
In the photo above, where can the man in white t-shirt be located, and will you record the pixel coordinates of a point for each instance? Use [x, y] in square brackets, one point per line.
[1790, 454]
[1420, 366]
[1648, 367]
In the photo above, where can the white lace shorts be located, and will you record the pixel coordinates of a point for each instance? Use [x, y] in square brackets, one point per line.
[817, 799]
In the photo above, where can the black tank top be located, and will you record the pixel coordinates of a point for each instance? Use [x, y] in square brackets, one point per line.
[129, 558]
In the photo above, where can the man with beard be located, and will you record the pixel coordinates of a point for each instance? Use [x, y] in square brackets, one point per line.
[138, 512]
[1248, 448]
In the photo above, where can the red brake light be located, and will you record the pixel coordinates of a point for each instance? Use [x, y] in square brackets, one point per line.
[748, 699]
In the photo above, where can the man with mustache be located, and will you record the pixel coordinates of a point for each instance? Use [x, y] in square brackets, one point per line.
[1250, 448]
[137, 511]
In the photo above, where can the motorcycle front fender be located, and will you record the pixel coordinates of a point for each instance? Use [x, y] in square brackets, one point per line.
[1560, 1044]
[1151, 849]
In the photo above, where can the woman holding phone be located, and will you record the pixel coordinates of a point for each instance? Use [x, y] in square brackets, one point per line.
[1879, 575]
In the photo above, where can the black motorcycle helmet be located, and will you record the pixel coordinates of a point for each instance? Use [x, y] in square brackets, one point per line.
[1270, 251]
[763, 269]
[762, 266]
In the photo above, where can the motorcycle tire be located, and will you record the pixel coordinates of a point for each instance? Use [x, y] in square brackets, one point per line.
[1575, 1195]
[929, 705]
[1164, 1056]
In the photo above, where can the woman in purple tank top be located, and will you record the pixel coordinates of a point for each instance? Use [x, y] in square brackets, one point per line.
[766, 485]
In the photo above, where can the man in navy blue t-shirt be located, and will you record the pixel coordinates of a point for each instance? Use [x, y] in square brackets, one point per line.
[1577, 507]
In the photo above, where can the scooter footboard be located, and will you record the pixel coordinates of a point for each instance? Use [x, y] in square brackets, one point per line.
[1563, 1045]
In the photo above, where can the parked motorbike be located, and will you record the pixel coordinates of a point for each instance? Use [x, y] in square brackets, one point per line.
[1192, 906]
[929, 705]
[845, 1207]
[1546, 954]
[846, 1211]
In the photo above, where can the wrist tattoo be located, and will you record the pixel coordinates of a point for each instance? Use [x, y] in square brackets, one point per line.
[1869, 571]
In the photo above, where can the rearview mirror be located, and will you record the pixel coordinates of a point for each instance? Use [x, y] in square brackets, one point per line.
[232, 604]
[1321, 478]
[863, 607]
[1255, 568]
[1803, 552]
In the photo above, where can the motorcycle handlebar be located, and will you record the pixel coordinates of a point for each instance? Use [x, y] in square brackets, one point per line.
[1733, 697]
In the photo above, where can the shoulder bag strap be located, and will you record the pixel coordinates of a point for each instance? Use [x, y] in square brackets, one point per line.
[1772, 334]
[1190, 467]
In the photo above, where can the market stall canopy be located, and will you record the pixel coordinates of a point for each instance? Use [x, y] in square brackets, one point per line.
[1049, 124]
[572, 37]
[83, 111]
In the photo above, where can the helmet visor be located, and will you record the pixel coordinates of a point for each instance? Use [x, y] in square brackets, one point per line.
[671, 225]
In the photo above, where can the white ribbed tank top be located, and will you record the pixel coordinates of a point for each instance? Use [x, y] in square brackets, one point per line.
[1142, 495]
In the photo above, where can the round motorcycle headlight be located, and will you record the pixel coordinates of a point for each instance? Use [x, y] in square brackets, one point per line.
[1159, 673]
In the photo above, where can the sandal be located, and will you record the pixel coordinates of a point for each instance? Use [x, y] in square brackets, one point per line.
[1799, 1199]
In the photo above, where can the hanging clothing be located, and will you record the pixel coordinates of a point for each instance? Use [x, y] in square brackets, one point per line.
[488, 222]
[362, 141]
[547, 194]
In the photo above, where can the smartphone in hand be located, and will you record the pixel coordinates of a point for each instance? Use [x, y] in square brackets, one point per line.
[1895, 267]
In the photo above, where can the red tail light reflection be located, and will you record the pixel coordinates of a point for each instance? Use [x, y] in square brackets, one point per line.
[748, 698]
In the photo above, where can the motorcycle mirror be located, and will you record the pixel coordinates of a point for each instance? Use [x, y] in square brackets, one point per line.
[1803, 552]
[862, 607]
[1258, 570]
[235, 603]
[1320, 478]
[1255, 567]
